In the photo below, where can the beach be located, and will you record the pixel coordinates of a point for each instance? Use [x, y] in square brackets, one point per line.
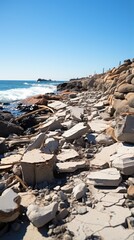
[67, 159]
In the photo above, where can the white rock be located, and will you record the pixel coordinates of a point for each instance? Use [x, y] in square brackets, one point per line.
[76, 112]
[57, 105]
[50, 124]
[104, 139]
[70, 166]
[98, 125]
[38, 142]
[106, 177]
[51, 145]
[40, 216]
[75, 132]
[9, 206]
[79, 190]
[67, 154]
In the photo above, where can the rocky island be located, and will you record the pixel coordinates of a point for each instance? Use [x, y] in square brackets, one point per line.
[43, 80]
[67, 163]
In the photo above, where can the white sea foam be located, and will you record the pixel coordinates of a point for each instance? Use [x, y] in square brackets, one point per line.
[22, 93]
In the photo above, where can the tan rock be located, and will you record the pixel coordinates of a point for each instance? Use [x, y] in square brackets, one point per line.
[130, 192]
[126, 88]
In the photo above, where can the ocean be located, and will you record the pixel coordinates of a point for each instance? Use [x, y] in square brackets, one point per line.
[12, 91]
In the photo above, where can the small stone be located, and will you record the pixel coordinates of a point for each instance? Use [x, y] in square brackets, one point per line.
[62, 196]
[67, 237]
[130, 192]
[62, 205]
[57, 188]
[48, 198]
[79, 190]
[82, 210]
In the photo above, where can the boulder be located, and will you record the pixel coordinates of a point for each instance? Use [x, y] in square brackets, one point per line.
[38, 100]
[130, 192]
[126, 88]
[7, 128]
[75, 132]
[70, 166]
[40, 216]
[109, 177]
[124, 130]
[3, 147]
[37, 167]
[9, 206]
[130, 99]
[79, 191]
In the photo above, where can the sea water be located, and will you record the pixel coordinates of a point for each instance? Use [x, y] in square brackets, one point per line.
[12, 91]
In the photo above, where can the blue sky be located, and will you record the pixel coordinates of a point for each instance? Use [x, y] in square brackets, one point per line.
[62, 39]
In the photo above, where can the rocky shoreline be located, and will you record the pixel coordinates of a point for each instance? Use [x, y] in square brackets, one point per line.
[67, 163]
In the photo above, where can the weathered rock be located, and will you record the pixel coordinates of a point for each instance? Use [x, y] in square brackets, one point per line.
[51, 124]
[106, 177]
[38, 142]
[98, 125]
[40, 216]
[130, 192]
[51, 145]
[12, 159]
[124, 130]
[75, 132]
[125, 88]
[130, 99]
[77, 113]
[9, 206]
[104, 139]
[3, 147]
[57, 105]
[79, 191]
[70, 166]
[38, 100]
[123, 162]
[37, 167]
[67, 154]
[7, 128]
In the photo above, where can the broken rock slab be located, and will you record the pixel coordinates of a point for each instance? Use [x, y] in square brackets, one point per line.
[50, 124]
[9, 205]
[75, 132]
[39, 216]
[12, 159]
[51, 145]
[57, 105]
[38, 142]
[124, 130]
[98, 125]
[37, 167]
[70, 166]
[107, 177]
[67, 154]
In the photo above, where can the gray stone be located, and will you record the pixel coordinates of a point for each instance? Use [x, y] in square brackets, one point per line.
[79, 191]
[75, 132]
[104, 139]
[40, 216]
[9, 206]
[51, 124]
[82, 210]
[70, 166]
[98, 125]
[106, 177]
[124, 130]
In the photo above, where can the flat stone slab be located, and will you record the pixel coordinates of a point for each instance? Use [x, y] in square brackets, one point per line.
[67, 154]
[70, 166]
[116, 233]
[9, 206]
[57, 105]
[50, 124]
[98, 125]
[75, 132]
[39, 216]
[11, 159]
[106, 177]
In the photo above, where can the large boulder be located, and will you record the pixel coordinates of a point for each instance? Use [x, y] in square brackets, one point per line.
[7, 128]
[40, 216]
[124, 130]
[126, 88]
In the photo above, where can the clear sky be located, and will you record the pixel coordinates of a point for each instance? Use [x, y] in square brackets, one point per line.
[63, 39]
